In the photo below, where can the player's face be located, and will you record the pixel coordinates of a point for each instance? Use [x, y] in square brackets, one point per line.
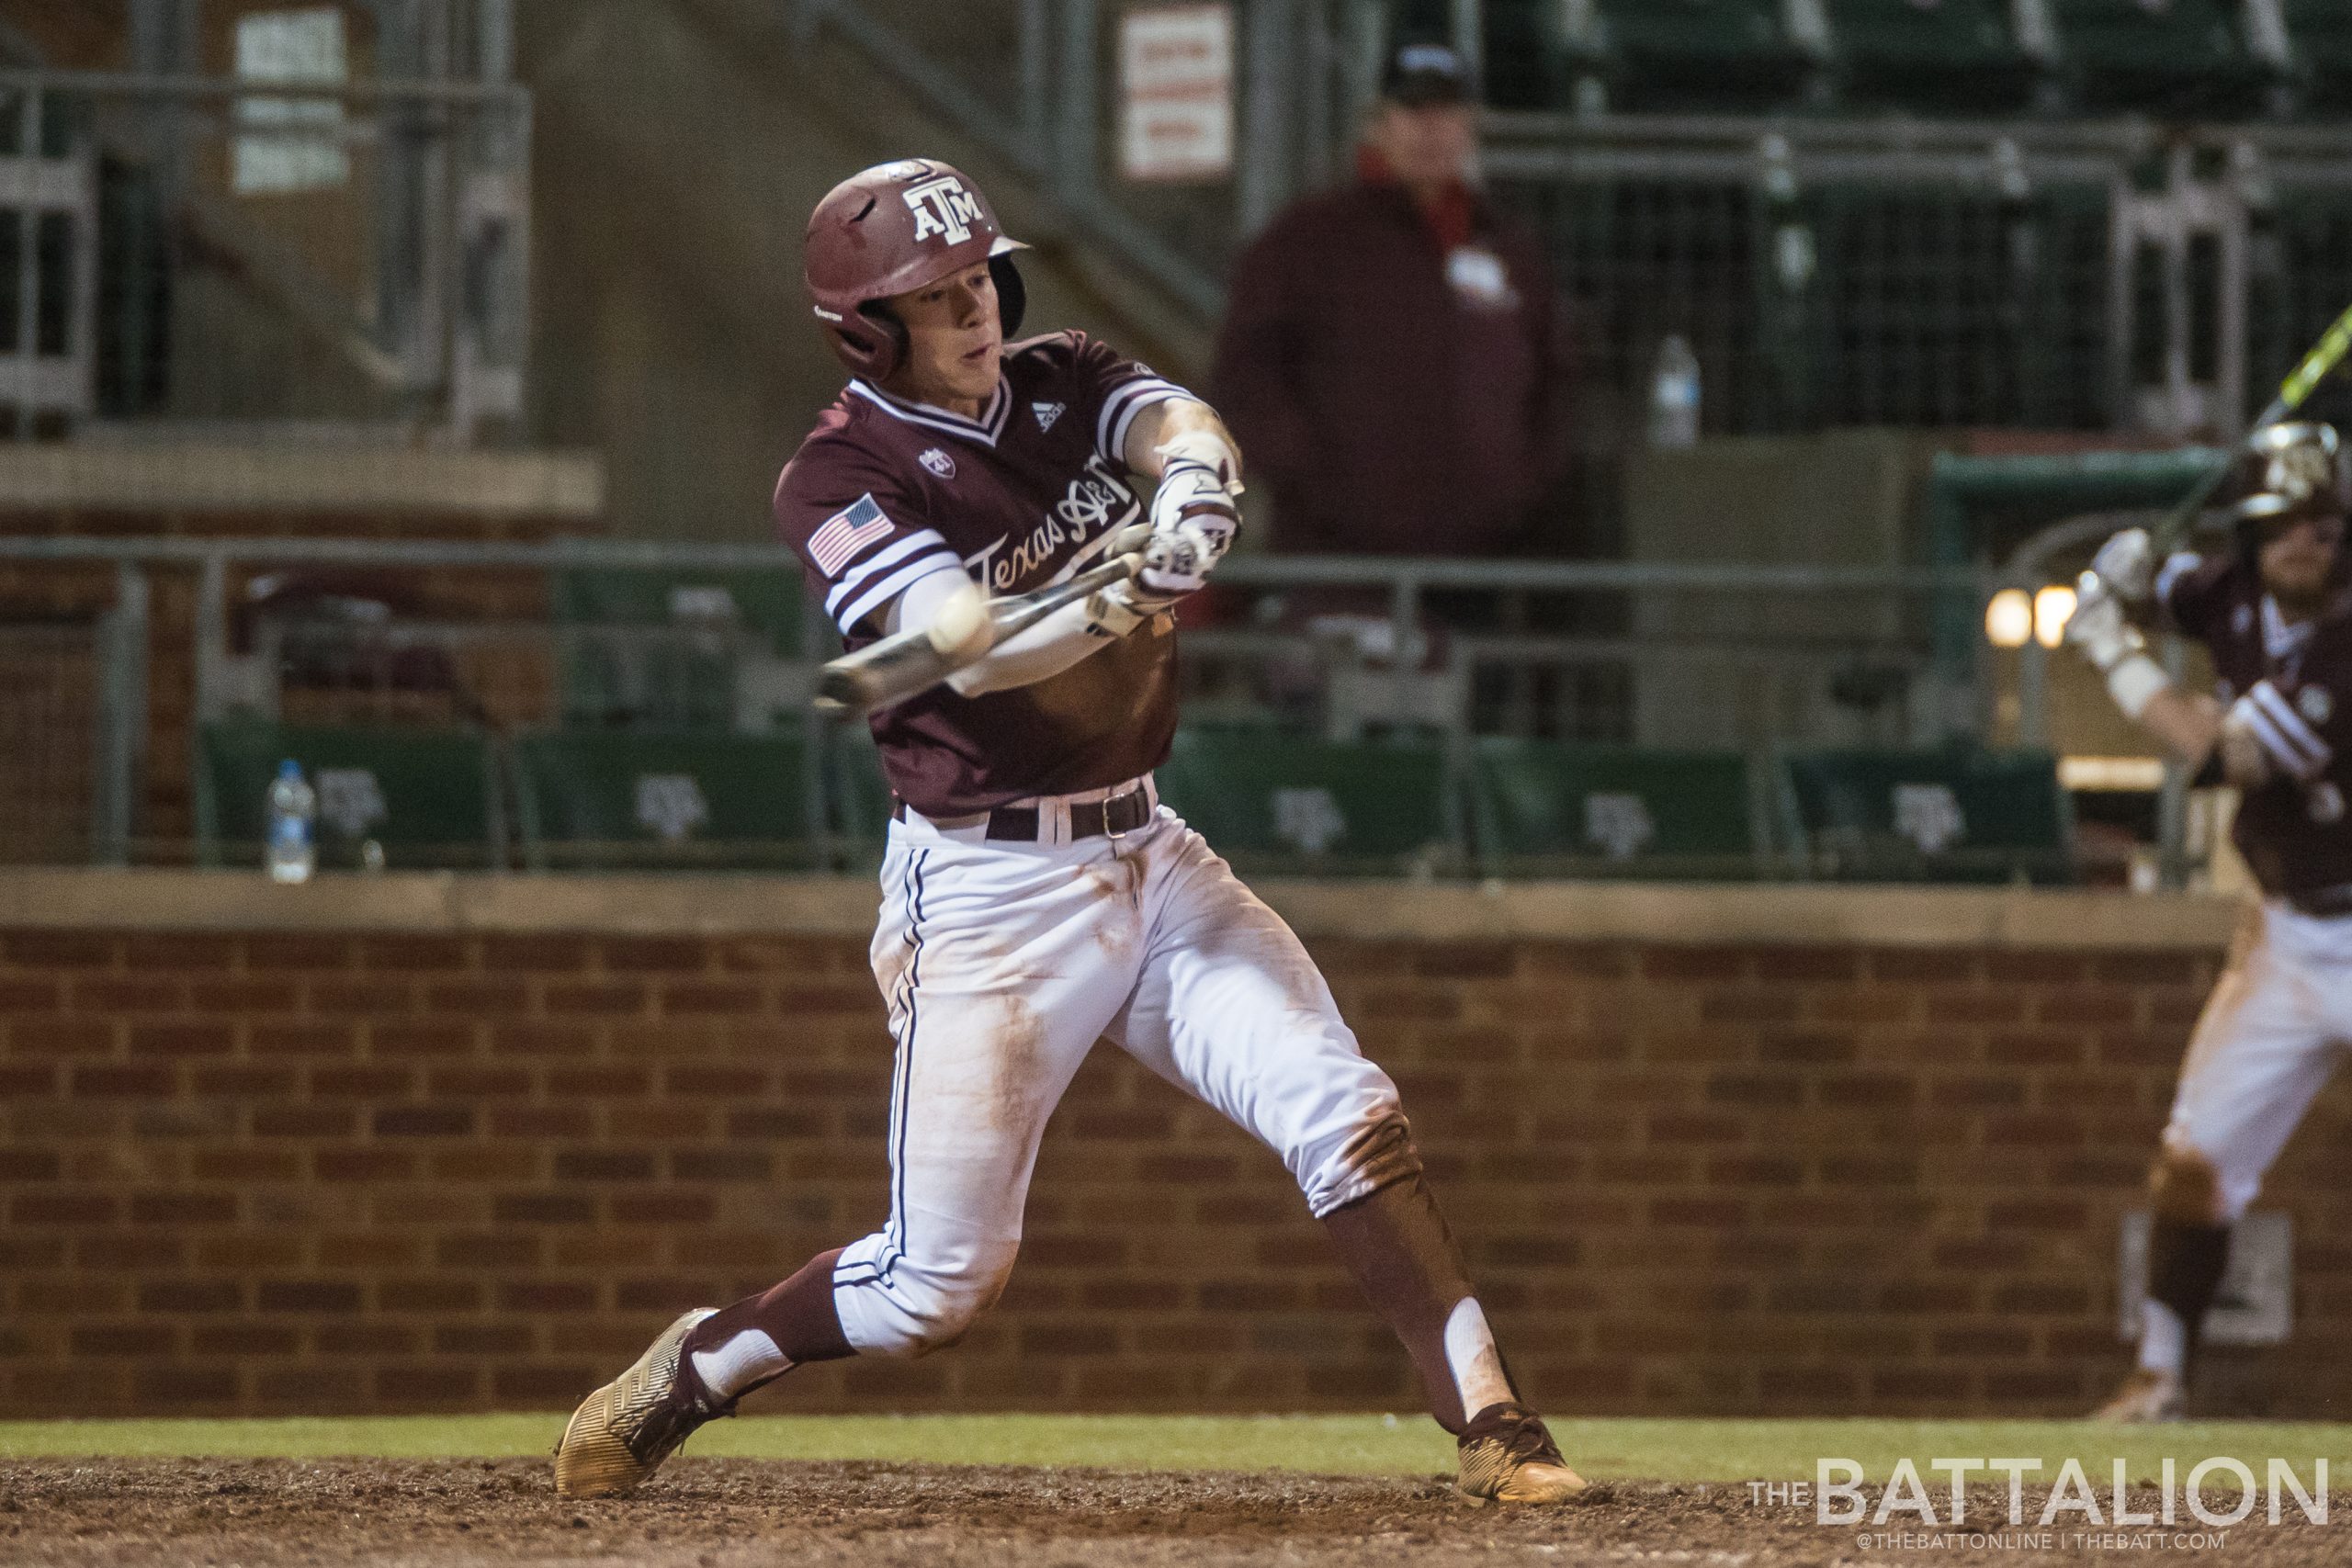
[954, 340]
[2297, 560]
[1429, 145]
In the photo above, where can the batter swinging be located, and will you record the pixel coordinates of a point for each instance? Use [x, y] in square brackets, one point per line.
[2276, 611]
[1036, 897]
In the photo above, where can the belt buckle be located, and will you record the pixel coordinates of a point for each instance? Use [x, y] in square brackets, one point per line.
[1113, 834]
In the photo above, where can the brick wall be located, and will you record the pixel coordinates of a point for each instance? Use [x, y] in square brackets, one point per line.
[320, 1172]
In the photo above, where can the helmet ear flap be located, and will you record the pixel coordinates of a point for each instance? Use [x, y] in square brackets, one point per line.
[877, 339]
[1011, 294]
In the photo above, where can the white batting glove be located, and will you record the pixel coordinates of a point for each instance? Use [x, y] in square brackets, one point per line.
[1194, 517]
[2114, 647]
[2097, 627]
[1121, 607]
[2127, 564]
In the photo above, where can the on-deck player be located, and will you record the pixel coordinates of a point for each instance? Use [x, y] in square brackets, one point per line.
[1036, 897]
[2276, 610]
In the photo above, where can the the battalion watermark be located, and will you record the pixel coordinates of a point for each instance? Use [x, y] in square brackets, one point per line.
[2183, 1510]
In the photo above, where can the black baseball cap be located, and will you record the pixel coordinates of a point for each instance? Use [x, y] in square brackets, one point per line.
[1419, 73]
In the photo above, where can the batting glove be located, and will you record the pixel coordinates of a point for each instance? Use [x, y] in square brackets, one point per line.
[2114, 647]
[1194, 521]
[2126, 565]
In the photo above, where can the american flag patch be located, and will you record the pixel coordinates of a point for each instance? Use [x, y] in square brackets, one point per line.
[845, 533]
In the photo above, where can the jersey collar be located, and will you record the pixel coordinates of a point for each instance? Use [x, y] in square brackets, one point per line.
[2280, 640]
[983, 430]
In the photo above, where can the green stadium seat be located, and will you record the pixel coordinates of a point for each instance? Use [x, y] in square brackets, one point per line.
[1957, 55]
[1544, 809]
[427, 798]
[1955, 815]
[1314, 806]
[1695, 56]
[2320, 34]
[615, 674]
[2183, 60]
[636, 800]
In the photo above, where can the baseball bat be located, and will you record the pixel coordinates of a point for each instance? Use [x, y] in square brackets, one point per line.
[2325, 356]
[906, 664]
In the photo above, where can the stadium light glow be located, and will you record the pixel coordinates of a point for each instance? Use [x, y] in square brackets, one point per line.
[2008, 619]
[2052, 608]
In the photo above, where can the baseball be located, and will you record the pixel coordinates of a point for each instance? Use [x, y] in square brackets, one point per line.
[961, 628]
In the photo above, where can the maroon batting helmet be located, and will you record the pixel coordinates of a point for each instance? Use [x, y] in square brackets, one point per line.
[896, 227]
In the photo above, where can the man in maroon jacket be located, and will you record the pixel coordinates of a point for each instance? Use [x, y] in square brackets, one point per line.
[1392, 356]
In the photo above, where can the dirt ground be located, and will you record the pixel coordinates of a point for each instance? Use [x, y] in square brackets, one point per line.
[724, 1513]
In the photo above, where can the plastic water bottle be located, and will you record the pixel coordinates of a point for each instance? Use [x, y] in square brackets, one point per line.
[292, 808]
[1674, 394]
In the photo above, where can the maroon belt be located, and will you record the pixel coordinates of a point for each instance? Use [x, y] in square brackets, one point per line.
[1088, 819]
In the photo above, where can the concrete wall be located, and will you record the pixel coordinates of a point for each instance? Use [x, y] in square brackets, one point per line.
[459, 1144]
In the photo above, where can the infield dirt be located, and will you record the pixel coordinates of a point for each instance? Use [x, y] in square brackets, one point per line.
[723, 1513]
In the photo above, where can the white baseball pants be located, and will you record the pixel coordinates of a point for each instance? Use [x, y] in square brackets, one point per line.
[2270, 1035]
[1002, 963]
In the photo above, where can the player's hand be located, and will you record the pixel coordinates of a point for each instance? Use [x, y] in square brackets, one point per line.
[2126, 565]
[1120, 608]
[1177, 560]
[2098, 626]
[1195, 513]
[2244, 761]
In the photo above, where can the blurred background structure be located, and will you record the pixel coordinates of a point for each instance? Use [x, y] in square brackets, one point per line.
[485, 316]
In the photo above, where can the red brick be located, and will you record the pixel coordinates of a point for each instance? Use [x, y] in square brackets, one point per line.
[360, 998]
[363, 1163]
[108, 993]
[406, 1041]
[60, 1208]
[329, 1296]
[422, 1121]
[361, 1083]
[59, 950]
[608, 998]
[303, 1039]
[478, 998]
[183, 1208]
[181, 1040]
[687, 998]
[178, 950]
[664, 955]
[407, 954]
[20, 995]
[542, 1039]
[120, 1083]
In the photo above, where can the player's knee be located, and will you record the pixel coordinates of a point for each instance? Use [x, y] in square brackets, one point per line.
[1358, 1161]
[941, 1306]
[2185, 1185]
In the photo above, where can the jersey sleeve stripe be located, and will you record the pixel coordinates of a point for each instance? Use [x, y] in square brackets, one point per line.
[2293, 743]
[895, 584]
[881, 560]
[1119, 411]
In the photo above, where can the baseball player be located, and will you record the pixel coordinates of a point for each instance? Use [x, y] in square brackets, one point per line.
[2276, 610]
[1036, 897]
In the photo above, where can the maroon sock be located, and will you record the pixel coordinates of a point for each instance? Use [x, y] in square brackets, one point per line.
[797, 1318]
[1397, 1244]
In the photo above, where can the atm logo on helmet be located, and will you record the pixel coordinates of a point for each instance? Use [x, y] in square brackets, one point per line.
[943, 205]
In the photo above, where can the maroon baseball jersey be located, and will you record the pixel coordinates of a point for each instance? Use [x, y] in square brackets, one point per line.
[2299, 682]
[885, 492]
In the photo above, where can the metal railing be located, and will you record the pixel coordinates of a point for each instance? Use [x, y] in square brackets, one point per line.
[1479, 676]
[222, 249]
